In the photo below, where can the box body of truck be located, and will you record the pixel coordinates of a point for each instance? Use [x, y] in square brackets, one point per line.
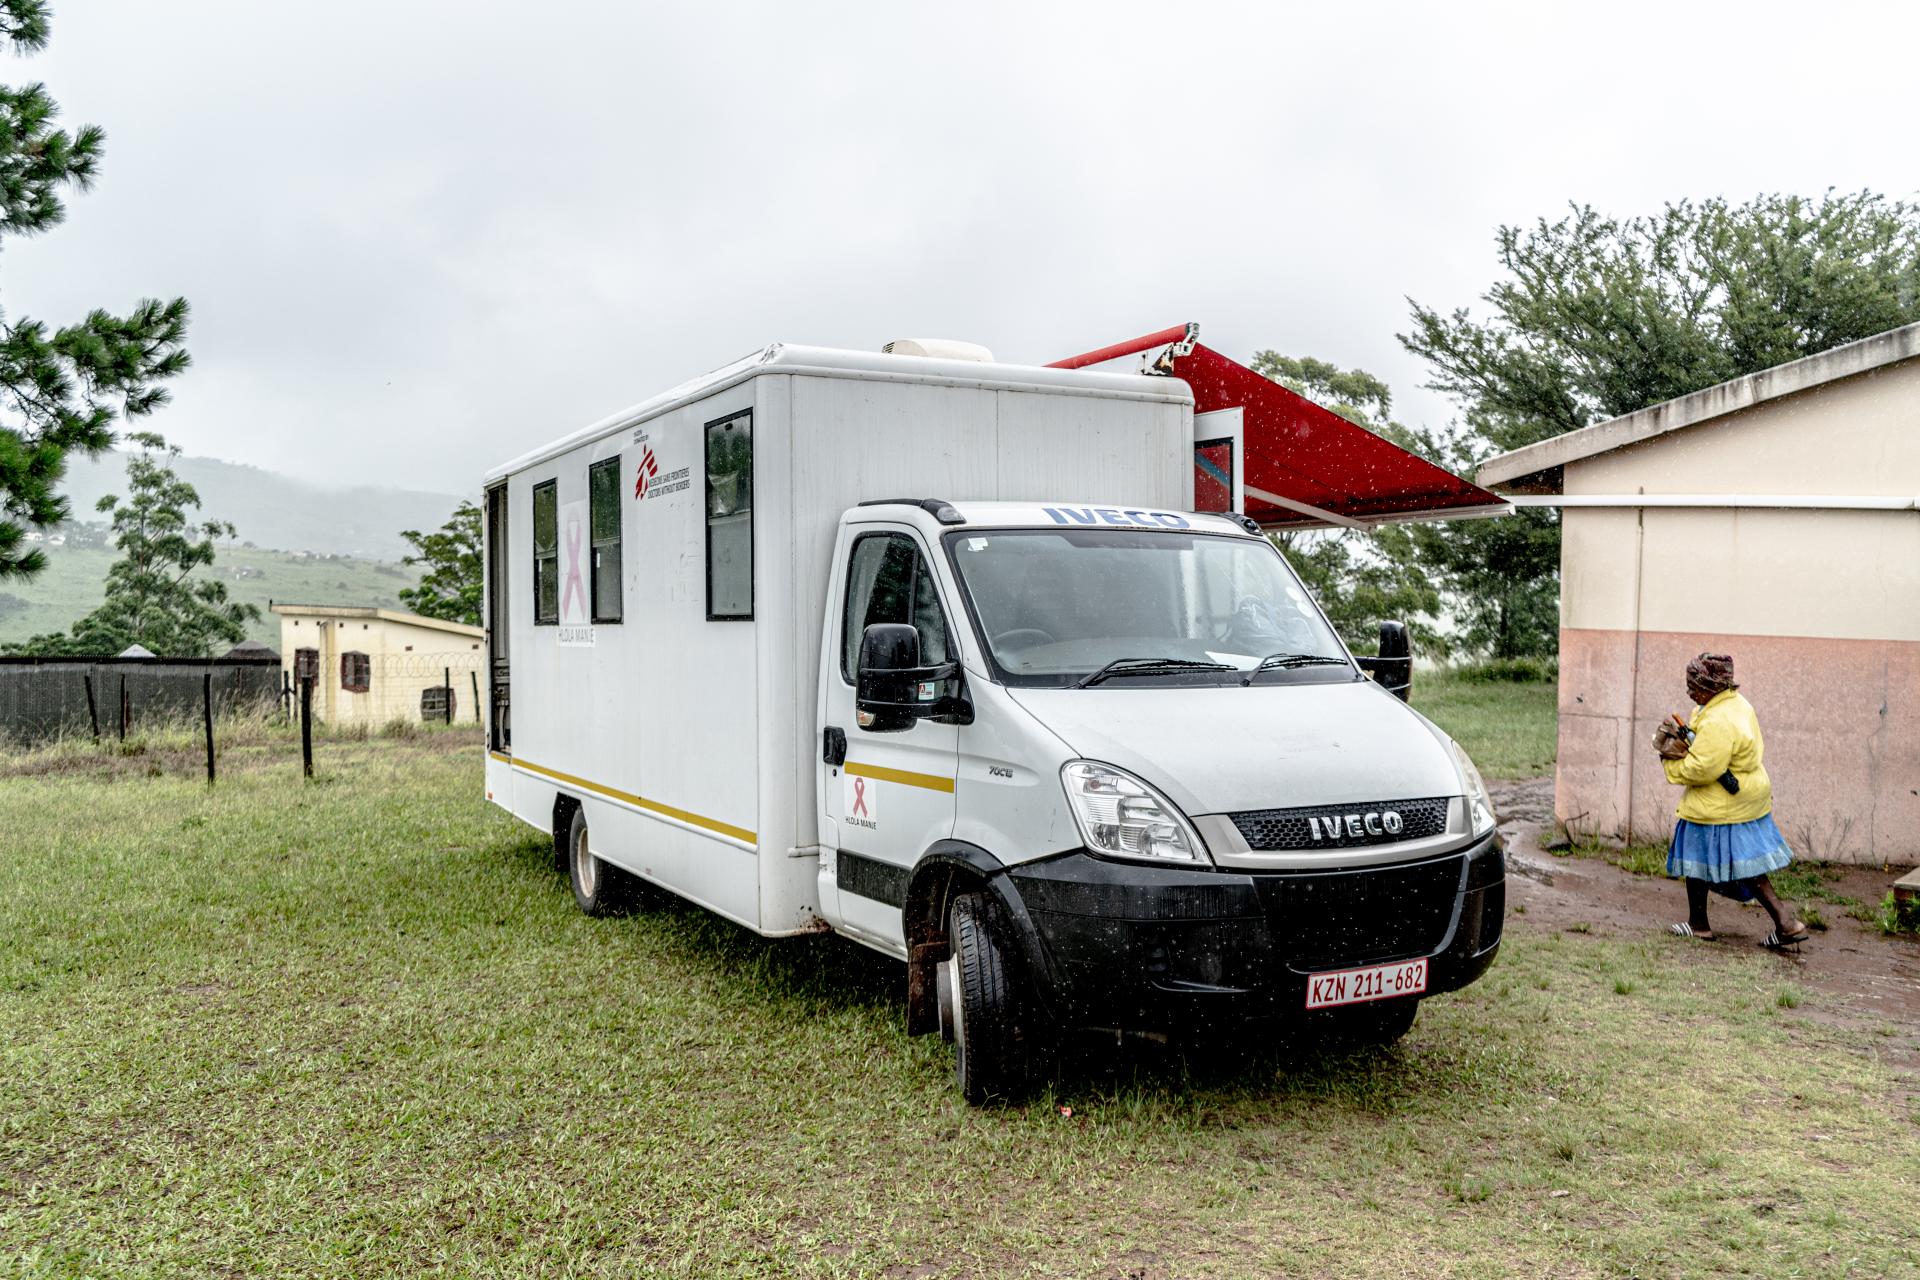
[686, 724]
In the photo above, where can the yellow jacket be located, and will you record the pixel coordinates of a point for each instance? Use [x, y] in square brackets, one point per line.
[1726, 736]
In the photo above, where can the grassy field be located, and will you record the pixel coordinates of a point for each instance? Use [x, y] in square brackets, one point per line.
[74, 584]
[1510, 730]
[356, 1028]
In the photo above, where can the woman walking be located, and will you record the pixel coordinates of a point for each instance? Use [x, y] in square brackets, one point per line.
[1725, 841]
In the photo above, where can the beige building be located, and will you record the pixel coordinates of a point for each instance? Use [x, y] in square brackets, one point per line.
[370, 666]
[1774, 518]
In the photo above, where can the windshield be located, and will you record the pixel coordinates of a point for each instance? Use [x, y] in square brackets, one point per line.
[1073, 606]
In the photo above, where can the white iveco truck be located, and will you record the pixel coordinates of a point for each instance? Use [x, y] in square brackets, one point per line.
[934, 653]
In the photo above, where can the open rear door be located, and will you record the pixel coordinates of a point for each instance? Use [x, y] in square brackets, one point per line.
[1285, 461]
[499, 628]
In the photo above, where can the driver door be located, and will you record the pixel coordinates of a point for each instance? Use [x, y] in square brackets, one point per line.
[893, 794]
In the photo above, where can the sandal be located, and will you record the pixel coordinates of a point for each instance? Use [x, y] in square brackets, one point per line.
[1684, 930]
[1774, 942]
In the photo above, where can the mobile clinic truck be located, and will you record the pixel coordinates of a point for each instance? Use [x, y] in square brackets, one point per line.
[935, 653]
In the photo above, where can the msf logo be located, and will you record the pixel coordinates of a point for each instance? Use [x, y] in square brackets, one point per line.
[648, 469]
[1356, 826]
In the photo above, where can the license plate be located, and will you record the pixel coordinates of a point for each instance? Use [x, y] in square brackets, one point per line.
[1375, 982]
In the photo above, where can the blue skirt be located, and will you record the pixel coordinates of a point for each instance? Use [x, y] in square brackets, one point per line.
[1727, 855]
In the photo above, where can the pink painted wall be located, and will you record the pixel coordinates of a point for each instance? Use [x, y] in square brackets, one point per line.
[1841, 720]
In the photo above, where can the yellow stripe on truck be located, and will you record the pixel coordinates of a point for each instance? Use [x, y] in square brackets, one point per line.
[929, 781]
[651, 806]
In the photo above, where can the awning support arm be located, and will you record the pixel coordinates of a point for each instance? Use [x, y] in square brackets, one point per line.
[1318, 513]
[1777, 501]
[1182, 336]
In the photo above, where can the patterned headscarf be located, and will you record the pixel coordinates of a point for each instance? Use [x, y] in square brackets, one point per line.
[1710, 673]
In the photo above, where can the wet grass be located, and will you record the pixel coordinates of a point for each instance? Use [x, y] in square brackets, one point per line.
[356, 1028]
[1510, 729]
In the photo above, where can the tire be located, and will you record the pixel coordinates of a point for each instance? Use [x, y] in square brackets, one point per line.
[980, 1007]
[1373, 1025]
[599, 888]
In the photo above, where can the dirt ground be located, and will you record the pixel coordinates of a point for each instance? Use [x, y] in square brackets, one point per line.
[1853, 973]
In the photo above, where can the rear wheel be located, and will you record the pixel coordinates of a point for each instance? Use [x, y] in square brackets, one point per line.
[599, 888]
[978, 1007]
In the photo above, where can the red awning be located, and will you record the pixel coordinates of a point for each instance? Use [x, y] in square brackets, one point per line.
[1304, 465]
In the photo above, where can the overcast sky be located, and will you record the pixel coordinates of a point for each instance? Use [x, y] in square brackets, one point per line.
[420, 238]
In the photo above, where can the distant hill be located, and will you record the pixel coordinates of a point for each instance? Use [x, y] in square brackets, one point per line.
[279, 511]
[328, 545]
[73, 585]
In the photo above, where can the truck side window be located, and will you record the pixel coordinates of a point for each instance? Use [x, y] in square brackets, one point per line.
[546, 553]
[603, 514]
[730, 517]
[887, 581]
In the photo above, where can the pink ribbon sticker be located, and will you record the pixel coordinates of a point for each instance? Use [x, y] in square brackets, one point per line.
[860, 797]
[574, 584]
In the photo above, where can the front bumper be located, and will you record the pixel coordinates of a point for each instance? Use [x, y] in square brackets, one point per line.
[1127, 944]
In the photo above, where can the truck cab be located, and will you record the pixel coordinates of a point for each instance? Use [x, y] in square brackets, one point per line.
[1104, 767]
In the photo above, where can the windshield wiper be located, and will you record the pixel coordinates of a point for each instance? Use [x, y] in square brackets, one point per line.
[1287, 661]
[1148, 667]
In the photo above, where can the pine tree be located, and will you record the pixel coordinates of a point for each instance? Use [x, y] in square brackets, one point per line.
[451, 587]
[61, 389]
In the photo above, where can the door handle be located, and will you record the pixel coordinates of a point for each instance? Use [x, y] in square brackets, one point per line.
[833, 746]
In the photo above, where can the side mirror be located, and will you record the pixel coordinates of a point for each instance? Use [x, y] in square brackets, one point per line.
[1393, 668]
[888, 646]
[892, 689]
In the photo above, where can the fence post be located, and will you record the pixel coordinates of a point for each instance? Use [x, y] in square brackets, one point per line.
[123, 706]
[446, 674]
[306, 724]
[93, 711]
[206, 715]
[475, 676]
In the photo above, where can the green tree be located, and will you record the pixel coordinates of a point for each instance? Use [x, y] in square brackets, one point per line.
[1500, 577]
[1598, 316]
[451, 586]
[1359, 578]
[61, 389]
[153, 598]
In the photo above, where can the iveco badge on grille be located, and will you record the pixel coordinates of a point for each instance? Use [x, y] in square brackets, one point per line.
[1354, 826]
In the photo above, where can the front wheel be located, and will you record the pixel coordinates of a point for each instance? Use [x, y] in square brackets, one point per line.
[979, 1008]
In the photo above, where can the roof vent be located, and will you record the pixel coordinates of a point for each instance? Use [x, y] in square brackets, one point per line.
[939, 349]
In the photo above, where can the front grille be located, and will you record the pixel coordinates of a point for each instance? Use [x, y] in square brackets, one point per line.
[1342, 826]
[1336, 919]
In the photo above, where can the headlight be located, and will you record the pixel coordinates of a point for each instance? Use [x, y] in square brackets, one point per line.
[1480, 819]
[1122, 817]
